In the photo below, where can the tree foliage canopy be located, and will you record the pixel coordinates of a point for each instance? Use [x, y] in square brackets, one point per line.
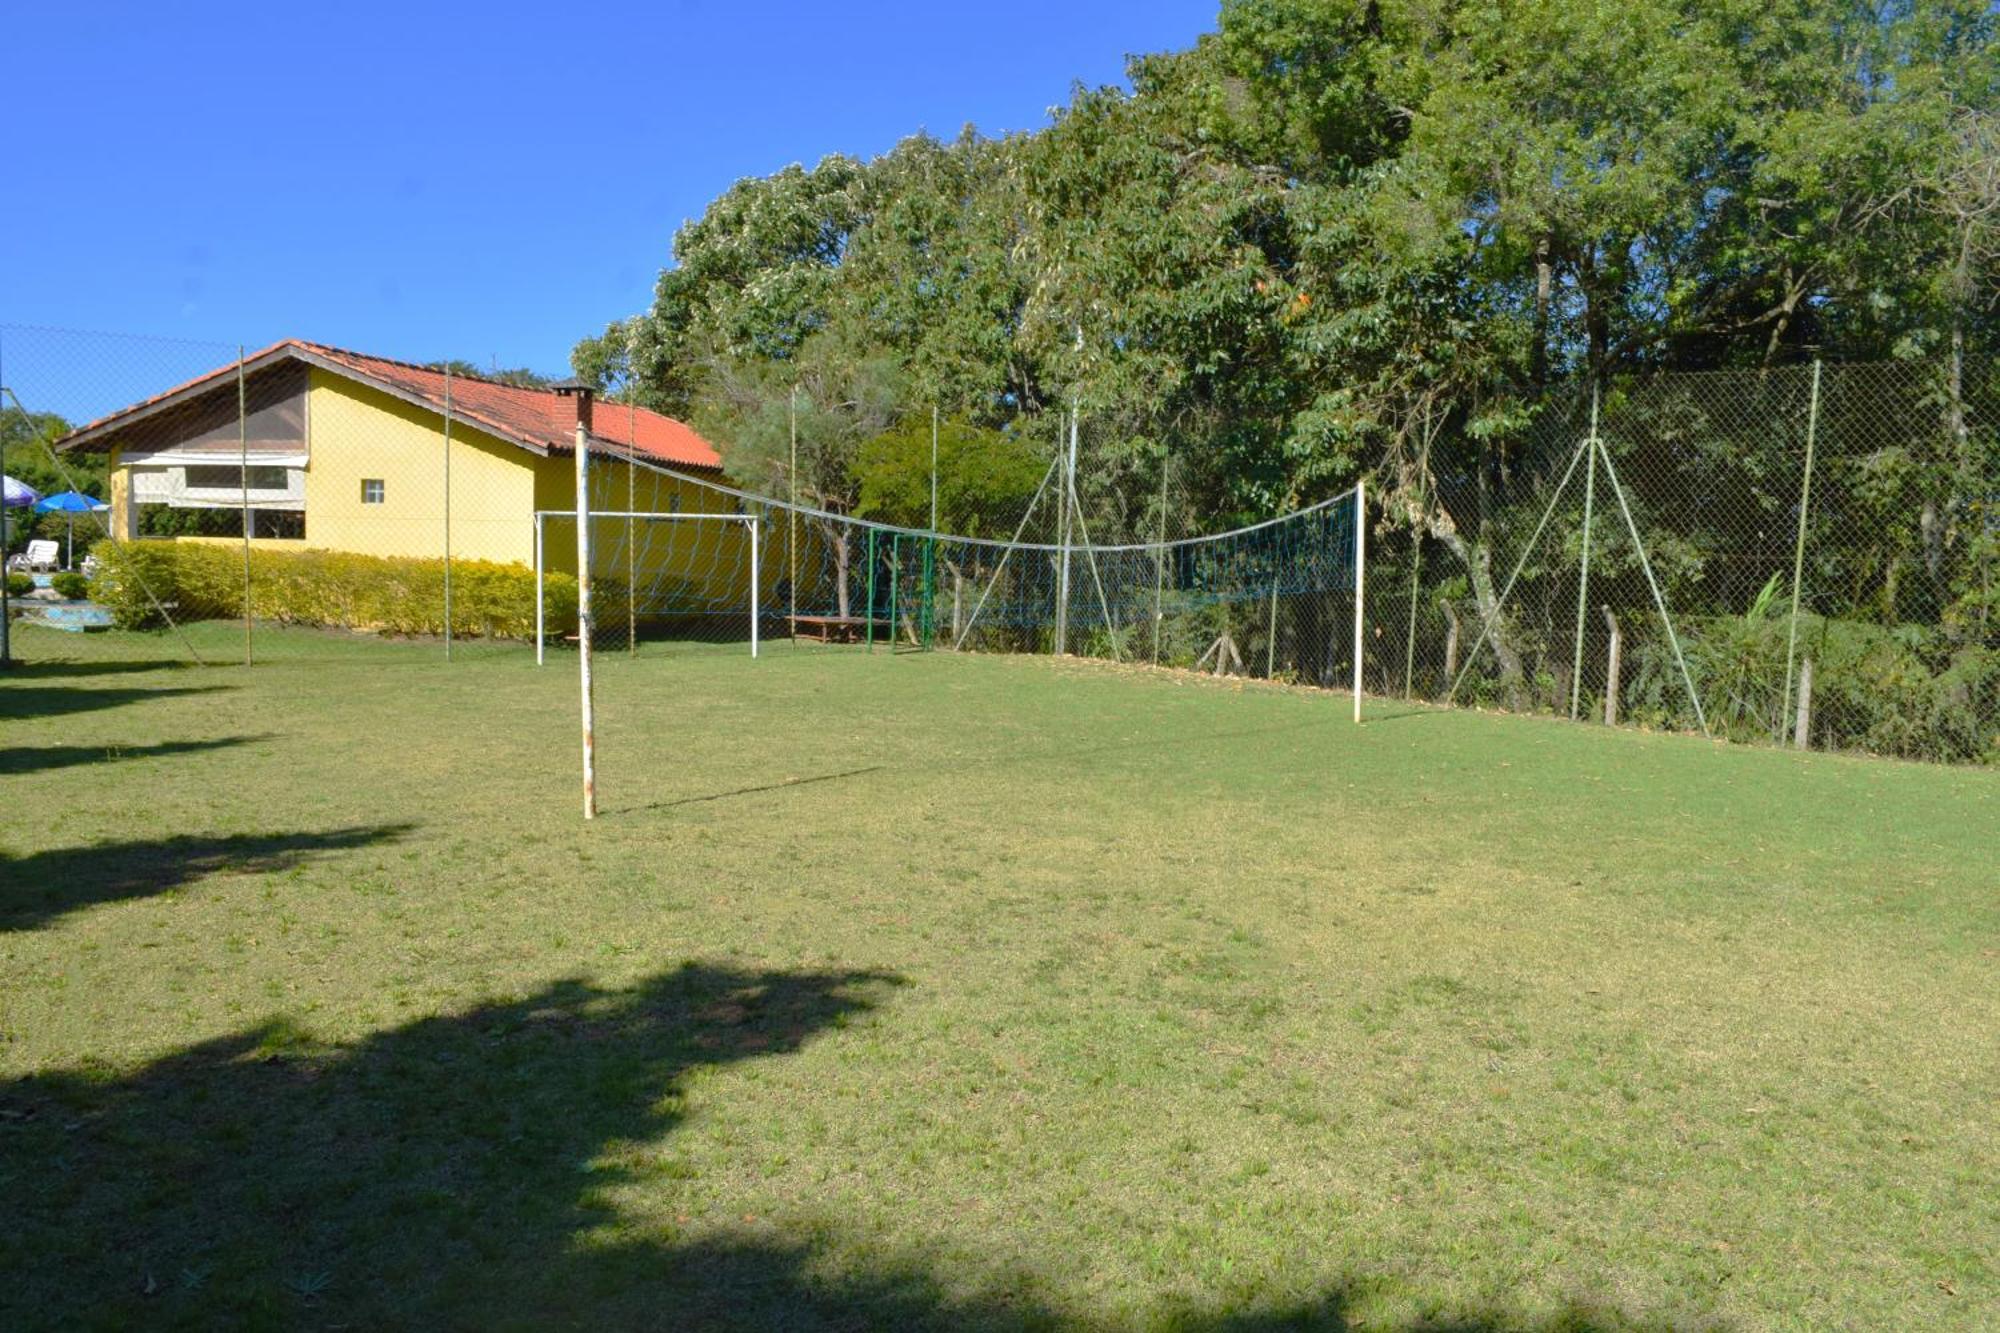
[1284, 249]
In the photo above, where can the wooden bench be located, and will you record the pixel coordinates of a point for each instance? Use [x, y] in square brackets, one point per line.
[835, 629]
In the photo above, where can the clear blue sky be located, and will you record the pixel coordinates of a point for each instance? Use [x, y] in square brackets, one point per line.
[405, 181]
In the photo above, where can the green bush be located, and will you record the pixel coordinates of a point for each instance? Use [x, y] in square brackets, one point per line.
[332, 589]
[71, 585]
[19, 585]
[1903, 690]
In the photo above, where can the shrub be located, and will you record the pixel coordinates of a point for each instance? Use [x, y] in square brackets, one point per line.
[333, 589]
[71, 585]
[1904, 690]
[19, 585]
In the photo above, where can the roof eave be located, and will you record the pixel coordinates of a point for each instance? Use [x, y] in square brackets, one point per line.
[95, 432]
[601, 445]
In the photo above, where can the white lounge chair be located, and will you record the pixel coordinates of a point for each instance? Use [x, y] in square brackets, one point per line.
[40, 556]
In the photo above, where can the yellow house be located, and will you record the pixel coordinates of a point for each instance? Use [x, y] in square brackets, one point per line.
[329, 449]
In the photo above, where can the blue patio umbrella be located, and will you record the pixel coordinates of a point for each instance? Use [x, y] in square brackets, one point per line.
[70, 503]
[13, 495]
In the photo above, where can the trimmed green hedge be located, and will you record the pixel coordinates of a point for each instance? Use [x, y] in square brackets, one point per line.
[377, 594]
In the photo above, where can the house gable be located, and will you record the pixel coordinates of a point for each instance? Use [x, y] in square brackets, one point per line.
[537, 420]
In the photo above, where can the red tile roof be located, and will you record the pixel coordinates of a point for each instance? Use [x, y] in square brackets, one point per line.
[537, 418]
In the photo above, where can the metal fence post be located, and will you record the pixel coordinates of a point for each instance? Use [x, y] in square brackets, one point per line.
[1160, 561]
[1410, 629]
[1583, 577]
[1799, 547]
[1271, 642]
[792, 517]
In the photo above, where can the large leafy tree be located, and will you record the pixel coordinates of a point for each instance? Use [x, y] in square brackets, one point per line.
[985, 478]
[1338, 238]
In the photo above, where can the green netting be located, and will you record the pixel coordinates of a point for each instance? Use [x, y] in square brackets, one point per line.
[1272, 598]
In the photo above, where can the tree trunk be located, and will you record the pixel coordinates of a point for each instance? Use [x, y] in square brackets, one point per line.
[1478, 562]
[1596, 320]
[1544, 282]
[839, 536]
[1955, 469]
[1450, 644]
[1930, 525]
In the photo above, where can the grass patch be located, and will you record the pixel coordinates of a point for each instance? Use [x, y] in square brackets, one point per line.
[968, 992]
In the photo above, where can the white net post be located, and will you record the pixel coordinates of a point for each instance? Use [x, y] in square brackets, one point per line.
[756, 573]
[1062, 578]
[541, 629]
[1360, 553]
[583, 620]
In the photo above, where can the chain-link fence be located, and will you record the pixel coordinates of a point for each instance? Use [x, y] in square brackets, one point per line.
[1805, 555]
[1799, 555]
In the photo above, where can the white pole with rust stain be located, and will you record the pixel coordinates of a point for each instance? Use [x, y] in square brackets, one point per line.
[1360, 552]
[1068, 492]
[243, 461]
[583, 621]
[447, 511]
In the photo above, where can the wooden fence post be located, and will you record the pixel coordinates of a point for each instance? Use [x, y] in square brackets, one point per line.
[1611, 665]
[1450, 640]
[1802, 729]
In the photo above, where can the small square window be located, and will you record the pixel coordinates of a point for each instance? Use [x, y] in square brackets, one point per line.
[371, 490]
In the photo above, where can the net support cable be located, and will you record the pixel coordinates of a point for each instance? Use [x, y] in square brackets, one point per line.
[1000, 568]
[1594, 448]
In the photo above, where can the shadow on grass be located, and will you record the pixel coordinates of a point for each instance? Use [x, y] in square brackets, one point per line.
[763, 787]
[23, 702]
[17, 760]
[44, 885]
[1177, 745]
[69, 668]
[748, 1286]
[463, 1171]
[1399, 711]
[438, 1174]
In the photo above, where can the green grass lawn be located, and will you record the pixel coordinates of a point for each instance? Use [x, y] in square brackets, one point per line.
[969, 992]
